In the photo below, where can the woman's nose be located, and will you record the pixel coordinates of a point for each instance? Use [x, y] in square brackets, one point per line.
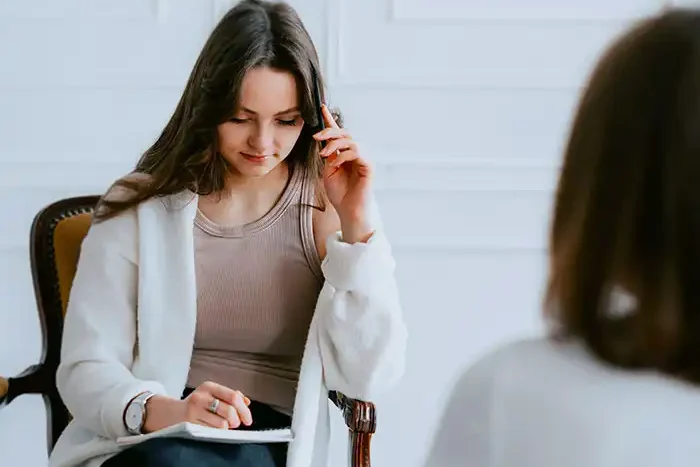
[262, 139]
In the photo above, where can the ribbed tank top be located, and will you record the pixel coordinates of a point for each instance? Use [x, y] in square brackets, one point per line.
[257, 286]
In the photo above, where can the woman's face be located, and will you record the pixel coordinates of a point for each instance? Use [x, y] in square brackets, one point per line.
[265, 126]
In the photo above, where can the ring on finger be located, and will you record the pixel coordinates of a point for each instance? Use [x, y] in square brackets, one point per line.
[214, 406]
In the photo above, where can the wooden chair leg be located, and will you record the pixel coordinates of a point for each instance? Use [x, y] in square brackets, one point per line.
[361, 420]
[360, 449]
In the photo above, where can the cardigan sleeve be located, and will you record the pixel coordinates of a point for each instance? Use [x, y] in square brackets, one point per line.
[362, 334]
[99, 336]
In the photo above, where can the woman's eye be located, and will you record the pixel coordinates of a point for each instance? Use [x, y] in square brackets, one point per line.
[291, 122]
[237, 120]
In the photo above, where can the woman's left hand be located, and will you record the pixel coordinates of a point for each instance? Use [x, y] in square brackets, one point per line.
[347, 178]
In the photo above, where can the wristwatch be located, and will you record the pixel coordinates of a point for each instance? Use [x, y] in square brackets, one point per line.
[135, 413]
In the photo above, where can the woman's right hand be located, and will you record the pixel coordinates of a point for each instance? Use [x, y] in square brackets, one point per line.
[232, 409]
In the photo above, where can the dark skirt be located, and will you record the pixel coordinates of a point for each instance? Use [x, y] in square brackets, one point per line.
[171, 452]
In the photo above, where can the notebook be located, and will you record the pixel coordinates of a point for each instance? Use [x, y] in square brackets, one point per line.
[193, 431]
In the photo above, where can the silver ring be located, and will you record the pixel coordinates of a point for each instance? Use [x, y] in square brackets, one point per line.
[214, 406]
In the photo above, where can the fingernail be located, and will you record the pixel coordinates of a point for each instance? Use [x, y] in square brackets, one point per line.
[233, 416]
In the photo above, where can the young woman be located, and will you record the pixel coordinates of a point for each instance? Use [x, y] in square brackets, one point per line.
[238, 274]
[616, 384]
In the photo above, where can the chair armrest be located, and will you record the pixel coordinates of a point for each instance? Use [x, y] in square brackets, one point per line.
[30, 381]
[38, 379]
[360, 416]
[4, 388]
[361, 419]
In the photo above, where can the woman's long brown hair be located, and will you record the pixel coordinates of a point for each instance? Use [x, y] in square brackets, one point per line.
[254, 33]
[627, 208]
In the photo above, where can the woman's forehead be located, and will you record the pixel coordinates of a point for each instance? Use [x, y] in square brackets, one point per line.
[266, 91]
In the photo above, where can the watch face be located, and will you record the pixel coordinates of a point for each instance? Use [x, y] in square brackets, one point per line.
[133, 417]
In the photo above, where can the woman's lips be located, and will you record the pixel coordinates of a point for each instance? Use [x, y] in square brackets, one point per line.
[255, 158]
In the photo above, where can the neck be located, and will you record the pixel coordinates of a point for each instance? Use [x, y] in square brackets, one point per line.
[245, 199]
[251, 188]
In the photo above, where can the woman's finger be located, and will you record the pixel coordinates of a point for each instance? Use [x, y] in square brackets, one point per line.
[328, 117]
[243, 412]
[219, 391]
[330, 133]
[236, 402]
[228, 412]
[246, 401]
[206, 418]
[344, 157]
[344, 144]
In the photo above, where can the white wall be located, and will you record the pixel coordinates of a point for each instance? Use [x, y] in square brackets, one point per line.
[462, 104]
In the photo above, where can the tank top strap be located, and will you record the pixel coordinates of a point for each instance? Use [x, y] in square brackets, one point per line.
[307, 207]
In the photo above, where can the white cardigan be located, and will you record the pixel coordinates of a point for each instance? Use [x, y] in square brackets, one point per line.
[131, 318]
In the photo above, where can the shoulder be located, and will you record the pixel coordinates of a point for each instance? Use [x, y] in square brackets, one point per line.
[509, 359]
[325, 223]
[122, 190]
[467, 411]
[118, 232]
[548, 365]
[127, 220]
[127, 186]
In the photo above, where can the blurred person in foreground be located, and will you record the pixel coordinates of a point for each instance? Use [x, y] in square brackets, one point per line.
[615, 383]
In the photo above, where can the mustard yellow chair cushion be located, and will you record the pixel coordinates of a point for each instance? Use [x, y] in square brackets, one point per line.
[67, 238]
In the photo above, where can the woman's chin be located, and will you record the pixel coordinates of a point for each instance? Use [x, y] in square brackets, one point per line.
[255, 168]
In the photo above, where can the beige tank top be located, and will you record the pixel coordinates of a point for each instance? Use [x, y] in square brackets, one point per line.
[257, 286]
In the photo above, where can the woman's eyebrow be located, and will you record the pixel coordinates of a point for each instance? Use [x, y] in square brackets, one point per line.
[289, 110]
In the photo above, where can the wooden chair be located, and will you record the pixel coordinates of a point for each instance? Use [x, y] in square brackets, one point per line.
[56, 235]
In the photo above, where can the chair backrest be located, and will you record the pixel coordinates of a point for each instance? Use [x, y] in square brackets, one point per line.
[56, 236]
